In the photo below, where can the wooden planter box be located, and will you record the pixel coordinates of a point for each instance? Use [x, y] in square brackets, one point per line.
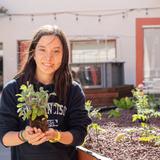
[102, 97]
[85, 154]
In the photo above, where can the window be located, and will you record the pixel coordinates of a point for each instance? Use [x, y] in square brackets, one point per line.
[98, 75]
[23, 46]
[93, 51]
[88, 75]
[152, 57]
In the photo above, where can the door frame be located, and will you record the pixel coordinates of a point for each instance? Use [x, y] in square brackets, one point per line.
[140, 22]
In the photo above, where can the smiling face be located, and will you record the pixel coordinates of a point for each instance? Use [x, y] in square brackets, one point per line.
[48, 56]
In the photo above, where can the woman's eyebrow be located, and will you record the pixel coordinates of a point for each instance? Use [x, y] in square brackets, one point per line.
[56, 47]
[39, 46]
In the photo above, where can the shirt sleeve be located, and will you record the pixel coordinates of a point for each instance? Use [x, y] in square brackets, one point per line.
[8, 111]
[78, 119]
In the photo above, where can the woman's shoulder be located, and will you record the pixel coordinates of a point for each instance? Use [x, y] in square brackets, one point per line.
[75, 84]
[76, 87]
[11, 85]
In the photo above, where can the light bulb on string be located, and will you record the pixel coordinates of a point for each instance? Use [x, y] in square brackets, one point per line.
[10, 17]
[77, 18]
[99, 18]
[146, 11]
[55, 17]
[123, 15]
[32, 17]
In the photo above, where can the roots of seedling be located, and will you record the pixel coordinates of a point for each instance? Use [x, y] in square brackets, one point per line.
[40, 122]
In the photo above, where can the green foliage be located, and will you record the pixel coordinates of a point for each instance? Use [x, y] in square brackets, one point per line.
[146, 106]
[145, 134]
[114, 113]
[95, 127]
[121, 104]
[93, 114]
[120, 137]
[149, 135]
[32, 103]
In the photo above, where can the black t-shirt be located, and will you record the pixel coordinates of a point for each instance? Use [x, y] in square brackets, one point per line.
[73, 117]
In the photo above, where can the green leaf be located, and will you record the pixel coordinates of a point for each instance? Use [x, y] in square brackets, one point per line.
[120, 137]
[20, 105]
[23, 87]
[21, 99]
[34, 116]
[28, 114]
[114, 113]
[134, 117]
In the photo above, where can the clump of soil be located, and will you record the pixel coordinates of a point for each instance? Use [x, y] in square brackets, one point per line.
[40, 122]
[127, 150]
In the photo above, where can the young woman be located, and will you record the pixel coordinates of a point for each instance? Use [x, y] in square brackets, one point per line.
[47, 67]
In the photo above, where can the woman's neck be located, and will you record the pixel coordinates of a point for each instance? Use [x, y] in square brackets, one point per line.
[44, 79]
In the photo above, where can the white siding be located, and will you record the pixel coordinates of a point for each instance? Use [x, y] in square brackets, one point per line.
[21, 28]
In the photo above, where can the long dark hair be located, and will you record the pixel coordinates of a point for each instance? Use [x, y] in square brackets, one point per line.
[62, 78]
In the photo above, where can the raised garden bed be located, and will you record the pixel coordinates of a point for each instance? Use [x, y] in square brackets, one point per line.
[128, 150]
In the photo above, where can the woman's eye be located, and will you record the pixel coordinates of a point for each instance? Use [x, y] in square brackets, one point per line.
[42, 50]
[56, 51]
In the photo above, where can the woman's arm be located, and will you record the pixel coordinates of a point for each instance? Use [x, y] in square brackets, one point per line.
[33, 136]
[58, 136]
[77, 118]
[11, 139]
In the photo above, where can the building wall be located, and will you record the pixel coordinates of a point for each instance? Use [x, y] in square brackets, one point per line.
[22, 28]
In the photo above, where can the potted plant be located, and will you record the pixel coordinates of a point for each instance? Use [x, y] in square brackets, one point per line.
[33, 106]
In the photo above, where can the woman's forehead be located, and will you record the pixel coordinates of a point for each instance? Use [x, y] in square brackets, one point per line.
[49, 40]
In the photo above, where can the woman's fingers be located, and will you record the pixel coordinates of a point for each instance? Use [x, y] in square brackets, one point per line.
[29, 130]
[35, 137]
[40, 141]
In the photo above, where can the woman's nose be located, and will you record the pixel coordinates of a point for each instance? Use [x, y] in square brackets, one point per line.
[49, 55]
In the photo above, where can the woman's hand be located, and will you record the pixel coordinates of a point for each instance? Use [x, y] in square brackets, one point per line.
[64, 137]
[34, 136]
[51, 134]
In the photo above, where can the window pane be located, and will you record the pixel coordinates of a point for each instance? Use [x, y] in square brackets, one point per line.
[22, 52]
[88, 75]
[151, 58]
[93, 51]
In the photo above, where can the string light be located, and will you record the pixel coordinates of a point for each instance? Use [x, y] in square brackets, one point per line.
[94, 13]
